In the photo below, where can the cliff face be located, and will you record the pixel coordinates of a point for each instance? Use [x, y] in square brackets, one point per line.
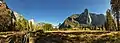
[84, 19]
[7, 17]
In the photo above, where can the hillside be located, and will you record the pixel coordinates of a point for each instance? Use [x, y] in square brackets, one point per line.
[8, 17]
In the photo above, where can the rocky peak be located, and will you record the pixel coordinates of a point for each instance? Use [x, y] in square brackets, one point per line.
[85, 19]
[86, 11]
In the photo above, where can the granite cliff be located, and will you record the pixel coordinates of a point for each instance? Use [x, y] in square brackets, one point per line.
[84, 19]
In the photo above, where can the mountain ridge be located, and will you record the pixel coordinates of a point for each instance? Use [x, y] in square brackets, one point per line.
[84, 19]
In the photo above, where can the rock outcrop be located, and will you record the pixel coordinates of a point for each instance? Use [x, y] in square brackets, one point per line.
[84, 19]
[7, 17]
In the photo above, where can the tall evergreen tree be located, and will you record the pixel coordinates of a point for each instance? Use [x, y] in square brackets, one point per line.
[115, 6]
[110, 24]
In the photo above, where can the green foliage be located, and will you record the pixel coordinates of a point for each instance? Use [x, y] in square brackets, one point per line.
[21, 24]
[24, 25]
[47, 27]
[110, 23]
[115, 6]
[33, 27]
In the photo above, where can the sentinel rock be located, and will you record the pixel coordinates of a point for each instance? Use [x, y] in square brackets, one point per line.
[84, 19]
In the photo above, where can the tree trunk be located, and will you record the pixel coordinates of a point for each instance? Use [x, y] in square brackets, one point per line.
[118, 21]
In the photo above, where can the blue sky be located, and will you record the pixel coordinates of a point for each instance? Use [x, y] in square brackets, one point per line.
[55, 11]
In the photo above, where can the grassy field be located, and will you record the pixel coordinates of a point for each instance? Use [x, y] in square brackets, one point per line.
[79, 36]
[77, 31]
[70, 36]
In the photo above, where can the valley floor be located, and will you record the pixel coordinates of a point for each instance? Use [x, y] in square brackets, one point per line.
[60, 37]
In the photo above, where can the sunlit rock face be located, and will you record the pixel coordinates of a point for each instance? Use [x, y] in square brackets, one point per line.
[17, 16]
[32, 21]
[7, 17]
[84, 19]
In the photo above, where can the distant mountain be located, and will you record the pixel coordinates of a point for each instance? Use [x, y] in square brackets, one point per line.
[84, 19]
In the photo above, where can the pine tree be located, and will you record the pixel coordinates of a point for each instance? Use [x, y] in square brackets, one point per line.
[115, 6]
[110, 24]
